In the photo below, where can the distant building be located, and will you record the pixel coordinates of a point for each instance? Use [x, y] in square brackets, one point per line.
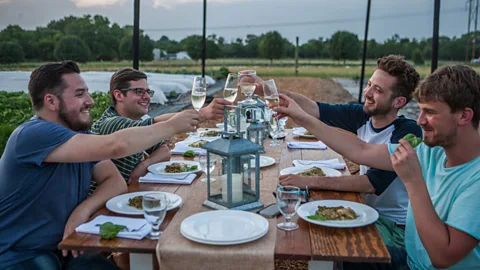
[159, 54]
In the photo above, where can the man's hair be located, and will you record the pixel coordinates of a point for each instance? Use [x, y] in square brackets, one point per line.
[406, 75]
[121, 80]
[458, 86]
[48, 79]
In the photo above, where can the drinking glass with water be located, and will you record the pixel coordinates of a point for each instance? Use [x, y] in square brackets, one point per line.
[288, 200]
[155, 207]
[203, 164]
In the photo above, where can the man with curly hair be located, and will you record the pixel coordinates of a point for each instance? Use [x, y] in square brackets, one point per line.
[377, 121]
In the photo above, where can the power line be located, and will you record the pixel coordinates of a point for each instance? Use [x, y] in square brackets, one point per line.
[288, 24]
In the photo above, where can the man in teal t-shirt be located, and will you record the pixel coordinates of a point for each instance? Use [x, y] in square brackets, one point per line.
[442, 176]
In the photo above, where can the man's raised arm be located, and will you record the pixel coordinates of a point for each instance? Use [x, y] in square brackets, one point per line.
[86, 147]
[373, 155]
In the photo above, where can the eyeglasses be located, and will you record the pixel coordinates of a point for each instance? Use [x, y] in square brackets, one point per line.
[140, 91]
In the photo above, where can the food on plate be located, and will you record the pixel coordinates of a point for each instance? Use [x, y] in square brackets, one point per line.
[189, 153]
[198, 143]
[211, 133]
[136, 202]
[413, 140]
[314, 171]
[334, 213]
[307, 133]
[179, 167]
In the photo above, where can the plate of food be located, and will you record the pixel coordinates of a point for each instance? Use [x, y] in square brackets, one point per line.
[131, 203]
[264, 162]
[175, 168]
[338, 213]
[302, 132]
[311, 171]
[209, 133]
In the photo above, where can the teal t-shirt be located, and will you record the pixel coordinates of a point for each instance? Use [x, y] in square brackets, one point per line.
[454, 192]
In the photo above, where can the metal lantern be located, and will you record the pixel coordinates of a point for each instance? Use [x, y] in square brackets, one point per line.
[239, 185]
[249, 109]
[256, 131]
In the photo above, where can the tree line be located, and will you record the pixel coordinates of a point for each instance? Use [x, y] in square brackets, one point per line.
[95, 38]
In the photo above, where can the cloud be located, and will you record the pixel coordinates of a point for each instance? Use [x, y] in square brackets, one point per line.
[171, 3]
[5, 1]
[95, 3]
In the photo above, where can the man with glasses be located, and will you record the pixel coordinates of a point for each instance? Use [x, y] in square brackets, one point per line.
[130, 98]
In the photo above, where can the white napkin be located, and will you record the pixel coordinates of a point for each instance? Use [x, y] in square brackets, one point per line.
[137, 228]
[162, 179]
[330, 163]
[180, 148]
[299, 129]
[307, 145]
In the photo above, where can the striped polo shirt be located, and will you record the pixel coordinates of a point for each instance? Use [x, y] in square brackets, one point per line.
[111, 122]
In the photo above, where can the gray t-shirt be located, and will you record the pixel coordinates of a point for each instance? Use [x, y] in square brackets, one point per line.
[37, 198]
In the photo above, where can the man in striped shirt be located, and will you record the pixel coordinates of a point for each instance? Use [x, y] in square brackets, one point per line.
[130, 98]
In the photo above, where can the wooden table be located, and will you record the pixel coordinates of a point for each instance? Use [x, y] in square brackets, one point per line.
[309, 242]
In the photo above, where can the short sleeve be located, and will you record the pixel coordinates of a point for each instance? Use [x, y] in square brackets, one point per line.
[392, 147]
[349, 117]
[36, 140]
[463, 213]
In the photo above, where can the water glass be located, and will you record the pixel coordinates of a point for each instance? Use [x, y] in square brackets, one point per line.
[272, 127]
[203, 164]
[155, 207]
[247, 80]
[288, 201]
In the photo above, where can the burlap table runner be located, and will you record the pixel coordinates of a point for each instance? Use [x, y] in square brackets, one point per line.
[176, 252]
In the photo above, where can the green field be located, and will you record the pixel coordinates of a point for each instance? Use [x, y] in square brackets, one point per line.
[321, 68]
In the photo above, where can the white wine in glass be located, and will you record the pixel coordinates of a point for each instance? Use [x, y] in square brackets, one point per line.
[247, 84]
[230, 94]
[272, 101]
[198, 99]
[231, 87]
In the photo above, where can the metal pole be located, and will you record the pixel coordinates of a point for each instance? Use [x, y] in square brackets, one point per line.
[364, 56]
[468, 29]
[436, 26]
[296, 58]
[475, 32]
[204, 39]
[136, 33]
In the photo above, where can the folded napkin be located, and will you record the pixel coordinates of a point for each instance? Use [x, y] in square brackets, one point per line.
[162, 179]
[137, 228]
[180, 148]
[307, 145]
[330, 163]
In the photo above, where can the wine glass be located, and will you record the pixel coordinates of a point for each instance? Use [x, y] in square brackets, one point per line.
[270, 94]
[154, 207]
[288, 200]
[203, 164]
[272, 127]
[199, 94]
[247, 84]
[231, 87]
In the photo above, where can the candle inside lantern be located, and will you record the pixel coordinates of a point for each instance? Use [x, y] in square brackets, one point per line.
[237, 188]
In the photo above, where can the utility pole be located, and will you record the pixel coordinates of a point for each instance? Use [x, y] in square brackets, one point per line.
[475, 32]
[364, 56]
[296, 58]
[468, 30]
[204, 38]
[436, 26]
[136, 33]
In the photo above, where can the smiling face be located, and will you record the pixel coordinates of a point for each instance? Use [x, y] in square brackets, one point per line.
[133, 105]
[75, 103]
[378, 93]
[439, 124]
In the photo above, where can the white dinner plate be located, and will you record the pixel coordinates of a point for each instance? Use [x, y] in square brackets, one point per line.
[301, 132]
[193, 139]
[299, 169]
[224, 227]
[367, 215]
[120, 205]
[205, 130]
[264, 162]
[159, 168]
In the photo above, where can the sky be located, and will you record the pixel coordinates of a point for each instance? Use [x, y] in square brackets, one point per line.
[231, 19]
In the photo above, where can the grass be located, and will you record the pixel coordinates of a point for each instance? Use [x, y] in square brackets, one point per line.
[321, 68]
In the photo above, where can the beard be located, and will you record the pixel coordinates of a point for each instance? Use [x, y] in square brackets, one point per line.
[72, 120]
[443, 140]
[379, 110]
